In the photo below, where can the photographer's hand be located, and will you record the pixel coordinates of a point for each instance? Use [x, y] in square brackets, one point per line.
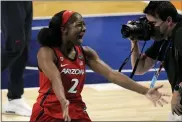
[175, 103]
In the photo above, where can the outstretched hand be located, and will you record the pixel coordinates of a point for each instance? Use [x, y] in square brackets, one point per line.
[156, 97]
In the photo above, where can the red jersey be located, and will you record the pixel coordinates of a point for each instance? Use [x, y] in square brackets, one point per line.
[73, 76]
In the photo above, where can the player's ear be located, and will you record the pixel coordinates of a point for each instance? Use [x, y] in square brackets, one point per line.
[64, 30]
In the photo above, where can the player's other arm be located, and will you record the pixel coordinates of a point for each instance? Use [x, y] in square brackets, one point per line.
[97, 65]
[46, 62]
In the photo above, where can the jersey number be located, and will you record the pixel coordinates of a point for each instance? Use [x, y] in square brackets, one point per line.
[73, 88]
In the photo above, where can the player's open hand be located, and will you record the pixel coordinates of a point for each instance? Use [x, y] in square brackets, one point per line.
[156, 97]
[65, 109]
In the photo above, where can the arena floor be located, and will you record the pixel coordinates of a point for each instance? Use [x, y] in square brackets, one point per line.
[109, 102]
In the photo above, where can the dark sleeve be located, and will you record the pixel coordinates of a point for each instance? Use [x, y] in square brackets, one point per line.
[178, 41]
[155, 52]
[178, 46]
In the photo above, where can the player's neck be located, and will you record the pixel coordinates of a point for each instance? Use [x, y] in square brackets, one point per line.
[68, 50]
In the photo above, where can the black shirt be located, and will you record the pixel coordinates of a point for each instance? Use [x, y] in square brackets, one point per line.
[172, 55]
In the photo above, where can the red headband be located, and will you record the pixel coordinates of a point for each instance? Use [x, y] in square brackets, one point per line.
[66, 15]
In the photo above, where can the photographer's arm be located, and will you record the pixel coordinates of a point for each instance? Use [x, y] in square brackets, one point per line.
[178, 41]
[145, 62]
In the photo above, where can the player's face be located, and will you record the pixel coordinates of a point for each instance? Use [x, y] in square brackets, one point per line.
[161, 27]
[76, 30]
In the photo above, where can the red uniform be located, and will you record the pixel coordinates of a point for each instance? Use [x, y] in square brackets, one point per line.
[72, 73]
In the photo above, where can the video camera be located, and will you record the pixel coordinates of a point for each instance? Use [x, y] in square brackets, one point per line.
[141, 29]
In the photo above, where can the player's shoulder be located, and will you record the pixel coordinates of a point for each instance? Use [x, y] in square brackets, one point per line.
[45, 51]
[88, 49]
[90, 53]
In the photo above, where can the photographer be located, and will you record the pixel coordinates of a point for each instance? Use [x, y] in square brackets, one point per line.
[167, 48]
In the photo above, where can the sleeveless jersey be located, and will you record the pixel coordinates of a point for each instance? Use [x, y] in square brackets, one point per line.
[73, 76]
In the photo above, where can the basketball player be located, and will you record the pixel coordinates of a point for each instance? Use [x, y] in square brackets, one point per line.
[62, 61]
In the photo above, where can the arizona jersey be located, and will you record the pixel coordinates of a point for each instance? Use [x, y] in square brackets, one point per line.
[73, 76]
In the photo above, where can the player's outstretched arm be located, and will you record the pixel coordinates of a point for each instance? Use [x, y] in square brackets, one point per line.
[46, 62]
[97, 65]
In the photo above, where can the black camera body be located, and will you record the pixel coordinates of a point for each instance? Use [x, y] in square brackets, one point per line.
[141, 29]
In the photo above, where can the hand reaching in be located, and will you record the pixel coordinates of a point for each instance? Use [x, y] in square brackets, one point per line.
[156, 97]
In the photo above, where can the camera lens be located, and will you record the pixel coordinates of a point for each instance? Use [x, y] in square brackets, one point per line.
[125, 31]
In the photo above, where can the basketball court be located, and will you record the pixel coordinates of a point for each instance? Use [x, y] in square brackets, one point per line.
[105, 101]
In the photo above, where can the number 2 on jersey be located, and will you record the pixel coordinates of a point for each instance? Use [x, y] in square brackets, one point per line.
[73, 88]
